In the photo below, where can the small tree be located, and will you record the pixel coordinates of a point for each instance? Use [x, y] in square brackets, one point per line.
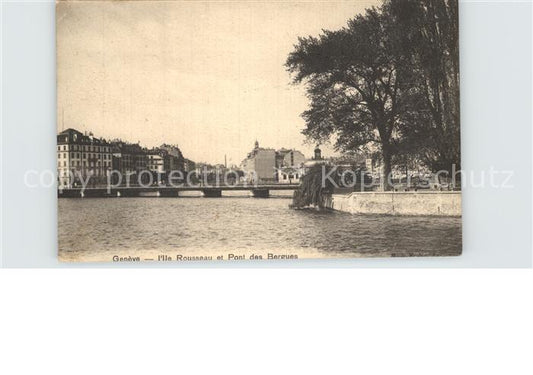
[313, 189]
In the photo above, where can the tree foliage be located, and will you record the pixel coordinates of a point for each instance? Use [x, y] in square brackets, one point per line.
[388, 79]
[430, 44]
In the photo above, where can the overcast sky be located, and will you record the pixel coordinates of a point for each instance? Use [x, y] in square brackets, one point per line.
[208, 76]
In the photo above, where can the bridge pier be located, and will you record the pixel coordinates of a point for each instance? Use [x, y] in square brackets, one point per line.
[68, 193]
[128, 193]
[93, 193]
[212, 193]
[168, 193]
[261, 193]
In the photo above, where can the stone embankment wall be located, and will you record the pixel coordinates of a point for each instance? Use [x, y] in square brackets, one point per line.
[398, 203]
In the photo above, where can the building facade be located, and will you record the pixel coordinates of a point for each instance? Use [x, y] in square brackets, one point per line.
[289, 166]
[163, 161]
[157, 161]
[174, 157]
[269, 165]
[289, 158]
[82, 157]
[290, 175]
[189, 165]
[260, 164]
[130, 159]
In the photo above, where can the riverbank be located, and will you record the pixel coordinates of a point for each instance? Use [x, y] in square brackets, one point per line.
[446, 203]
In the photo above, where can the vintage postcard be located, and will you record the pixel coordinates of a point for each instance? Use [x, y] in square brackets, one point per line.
[257, 130]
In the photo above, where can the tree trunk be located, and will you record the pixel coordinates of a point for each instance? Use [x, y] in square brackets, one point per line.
[387, 167]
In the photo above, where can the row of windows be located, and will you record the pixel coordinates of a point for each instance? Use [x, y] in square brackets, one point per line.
[85, 148]
[76, 155]
[69, 174]
[131, 157]
[285, 176]
[139, 163]
[78, 164]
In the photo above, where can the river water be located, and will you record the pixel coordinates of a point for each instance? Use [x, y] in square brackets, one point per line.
[94, 229]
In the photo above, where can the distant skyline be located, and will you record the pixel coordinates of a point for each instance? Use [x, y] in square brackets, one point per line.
[208, 76]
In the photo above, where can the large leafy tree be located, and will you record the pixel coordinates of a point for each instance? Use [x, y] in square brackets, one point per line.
[389, 78]
[429, 30]
[359, 89]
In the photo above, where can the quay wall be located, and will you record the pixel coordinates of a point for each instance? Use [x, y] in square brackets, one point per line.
[398, 203]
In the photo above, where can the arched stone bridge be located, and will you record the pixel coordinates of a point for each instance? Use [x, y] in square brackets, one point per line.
[259, 191]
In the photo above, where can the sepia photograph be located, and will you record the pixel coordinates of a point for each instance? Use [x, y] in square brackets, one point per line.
[257, 130]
